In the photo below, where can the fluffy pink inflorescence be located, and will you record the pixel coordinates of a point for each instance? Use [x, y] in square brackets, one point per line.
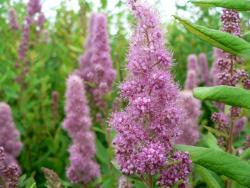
[231, 22]
[193, 63]
[36, 18]
[77, 123]
[225, 72]
[177, 172]
[9, 172]
[204, 69]
[10, 147]
[190, 127]
[192, 79]
[148, 126]
[8, 133]
[13, 22]
[96, 63]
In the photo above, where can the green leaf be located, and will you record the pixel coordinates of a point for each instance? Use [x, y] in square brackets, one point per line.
[241, 5]
[246, 154]
[220, 162]
[246, 36]
[226, 94]
[211, 141]
[229, 43]
[104, 3]
[208, 177]
[101, 152]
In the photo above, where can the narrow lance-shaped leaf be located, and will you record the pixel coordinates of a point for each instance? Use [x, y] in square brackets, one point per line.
[208, 177]
[241, 5]
[246, 36]
[226, 94]
[229, 43]
[211, 141]
[220, 162]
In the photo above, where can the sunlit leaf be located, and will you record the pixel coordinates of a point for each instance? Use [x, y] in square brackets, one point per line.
[208, 177]
[226, 94]
[246, 36]
[229, 43]
[241, 5]
[220, 162]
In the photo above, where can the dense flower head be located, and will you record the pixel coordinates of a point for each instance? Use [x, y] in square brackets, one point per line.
[231, 22]
[96, 63]
[204, 69]
[33, 7]
[193, 71]
[9, 171]
[24, 45]
[191, 80]
[148, 126]
[13, 22]
[190, 128]
[225, 71]
[177, 172]
[35, 17]
[193, 63]
[222, 124]
[8, 133]
[77, 123]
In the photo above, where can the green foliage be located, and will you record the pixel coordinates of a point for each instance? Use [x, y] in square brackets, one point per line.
[227, 94]
[241, 5]
[183, 43]
[222, 40]
[246, 36]
[208, 177]
[220, 162]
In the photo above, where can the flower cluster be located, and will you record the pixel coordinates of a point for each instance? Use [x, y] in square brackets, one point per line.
[35, 17]
[8, 133]
[13, 22]
[149, 125]
[9, 171]
[96, 63]
[190, 128]
[225, 72]
[222, 123]
[190, 105]
[178, 171]
[231, 21]
[192, 78]
[204, 69]
[77, 123]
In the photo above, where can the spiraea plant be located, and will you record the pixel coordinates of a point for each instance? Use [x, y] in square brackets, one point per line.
[228, 78]
[148, 126]
[96, 63]
[77, 123]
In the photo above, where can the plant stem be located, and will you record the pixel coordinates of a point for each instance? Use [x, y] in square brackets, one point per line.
[230, 147]
[230, 139]
[150, 182]
[2, 183]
